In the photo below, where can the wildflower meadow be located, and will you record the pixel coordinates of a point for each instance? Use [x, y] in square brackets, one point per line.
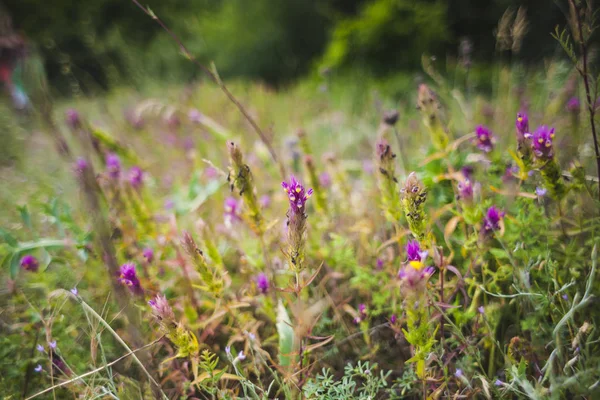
[331, 240]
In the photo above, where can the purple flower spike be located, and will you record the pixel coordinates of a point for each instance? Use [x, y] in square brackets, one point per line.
[262, 282]
[413, 251]
[113, 165]
[30, 263]
[148, 254]
[522, 125]
[297, 195]
[465, 190]
[362, 309]
[573, 105]
[129, 277]
[485, 138]
[136, 177]
[161, 308]
[232, 210]
[542, 143]
[492, 219]
[72, 118]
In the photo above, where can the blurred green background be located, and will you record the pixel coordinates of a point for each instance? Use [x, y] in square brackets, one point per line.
[91, 46]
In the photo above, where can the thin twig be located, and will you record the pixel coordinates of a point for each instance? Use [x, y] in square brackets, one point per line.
[95, 370]
[584, 74]
[216, 79]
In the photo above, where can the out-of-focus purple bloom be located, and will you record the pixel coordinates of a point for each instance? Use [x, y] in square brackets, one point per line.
[542, 143]
[241, 356]
[573, 105]
[522, 125]
[297, 195]
[72, 118]
[113, 165]
[485, 138]
[38, 368]
[325, 179]
[565, 297]
[195, 116]
[188, 143]
[379, 264]
[30, 263]
[393, 319]
[362, 314]
[74, 291]
[40, 348]
[251, 336]
[148, 254]
[509, 173]
[211, 172]
[169, 204]
[480, 309]
[52, 344]
[136, 176]
[414, 252]
[262, 283]
[540, 191]
[161, 308]
[467, 171]
[265, 201]
[129, 277]
[458, 373]
[367, 166]
[228, 350]
[465, 191]
[414, 276]
[362, 309]
[492, 219]
[498, 382]
[81, 165]
[232, 210]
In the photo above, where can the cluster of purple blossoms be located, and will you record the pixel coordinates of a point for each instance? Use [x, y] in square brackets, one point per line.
[485, 138]
[81, 165]
[232, 210]
[522, 125]
[414, 252]
[136, 177]
[262, 283]
[161, 308]
[113, 166]
[541, 142]
[30, 263]
[414, 274]
[128, 276]
[465, 191]
[148, 254]
[492, 219]
[72, 118]
[297, 195]
[362, 314]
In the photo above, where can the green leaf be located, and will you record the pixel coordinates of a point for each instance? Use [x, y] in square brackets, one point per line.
[25, 216]
[14, 265]
[8, 238]
[499, 253]
[286, 335]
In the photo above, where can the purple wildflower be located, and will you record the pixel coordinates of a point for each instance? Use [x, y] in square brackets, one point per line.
[540, 191]
[195, 116]
[40, 348]
[379, 264]
[565, 297]
[522, 125]
[393, 319]
[498, 382]
[161, 308]
[80, 165]
[52, 344]
[211, 173]
[136, 176]
[465, 191]
[38, 368]
[414, 275]
[241, 356]
[509, 173]
[325, 179]
[458, 373]
[72, 118]
[30, 263]
[297, 195]
[74, 291]
[228, 349]
[573, 105]
[467, 171]
[542, 143]
[480, 309]
[148, 254]
[129, 277]
[492, 219]
[485, 138]
[414, 252]
[232, 210]
[262, 282]
[113, 165]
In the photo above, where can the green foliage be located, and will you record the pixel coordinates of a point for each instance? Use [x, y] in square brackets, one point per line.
[361, 382]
